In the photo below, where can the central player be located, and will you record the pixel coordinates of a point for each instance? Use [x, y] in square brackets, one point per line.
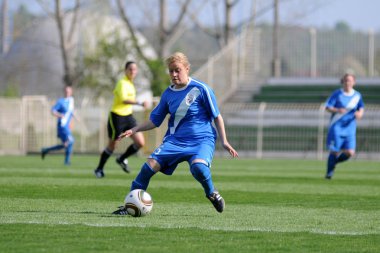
[190, 136]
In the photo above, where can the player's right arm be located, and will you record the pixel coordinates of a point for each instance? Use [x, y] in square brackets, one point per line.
[332, 102]
[335, 110]
[135, 102]
[55, 109]
[57, 114]
[147, 125]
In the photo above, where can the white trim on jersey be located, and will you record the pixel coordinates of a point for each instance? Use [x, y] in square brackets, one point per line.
[351, 105]
[208, 95]
[184, 106]
[70, 110]
[183, 88]
[353, 102]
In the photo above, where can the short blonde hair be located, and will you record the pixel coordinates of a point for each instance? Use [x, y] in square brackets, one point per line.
[178, 57]
[343, 79]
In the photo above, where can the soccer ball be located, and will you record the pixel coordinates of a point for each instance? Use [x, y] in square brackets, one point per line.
[138, 203]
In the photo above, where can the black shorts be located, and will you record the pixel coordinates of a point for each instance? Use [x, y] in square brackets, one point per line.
[118, 124]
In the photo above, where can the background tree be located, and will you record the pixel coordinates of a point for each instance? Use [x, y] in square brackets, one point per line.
[159, 79]
[342, 26]
[65, 35]
[21, 19]
[229, 4]
[102, 68]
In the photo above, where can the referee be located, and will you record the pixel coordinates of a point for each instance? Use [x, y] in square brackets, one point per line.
[121, 119]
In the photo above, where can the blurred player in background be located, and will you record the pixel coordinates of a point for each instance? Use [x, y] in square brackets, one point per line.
[120, 119]
[64, 111]
[190, 137]
[346, 106]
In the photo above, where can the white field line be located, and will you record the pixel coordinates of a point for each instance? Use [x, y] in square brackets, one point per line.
[254, 229]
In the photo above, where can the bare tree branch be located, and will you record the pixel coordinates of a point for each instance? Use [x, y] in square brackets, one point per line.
[65, 42]
[131, 30]
[61, 33]
[167, 33]
[73, 22]
[234, 3]
[44, 6]
[180, 17]
[213, 33]
[147, 12]
[229, 4]
[175, 36]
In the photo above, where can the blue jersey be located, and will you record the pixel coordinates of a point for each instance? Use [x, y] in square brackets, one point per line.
[344, 124]
[64, 106]
[192, 110]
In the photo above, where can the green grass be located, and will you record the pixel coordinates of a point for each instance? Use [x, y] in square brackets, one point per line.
[271, 206]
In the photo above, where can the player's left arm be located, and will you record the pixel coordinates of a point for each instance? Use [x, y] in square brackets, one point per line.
[359, 113]
[219, 123]
[210, 101]
[127, 95]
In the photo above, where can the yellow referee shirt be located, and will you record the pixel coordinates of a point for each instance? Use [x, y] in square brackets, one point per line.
[124, 90]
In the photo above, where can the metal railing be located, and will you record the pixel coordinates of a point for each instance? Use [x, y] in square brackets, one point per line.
[257, 130]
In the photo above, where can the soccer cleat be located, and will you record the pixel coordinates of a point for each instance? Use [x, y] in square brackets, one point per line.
[121, 211]
[123, 165]
[99, 173]
[43, 153]
[329, 174]
[217, 200]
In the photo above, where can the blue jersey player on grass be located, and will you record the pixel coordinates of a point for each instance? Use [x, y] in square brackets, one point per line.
[190, 137]
[64, 111]
[346, 106]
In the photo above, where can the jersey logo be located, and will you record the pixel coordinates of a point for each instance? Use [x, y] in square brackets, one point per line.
[190, 98]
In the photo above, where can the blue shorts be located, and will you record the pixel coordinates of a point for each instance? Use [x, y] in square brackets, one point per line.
[170, 154]
[337, 143]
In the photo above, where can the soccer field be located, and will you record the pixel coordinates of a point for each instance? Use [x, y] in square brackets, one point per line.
[271, 206]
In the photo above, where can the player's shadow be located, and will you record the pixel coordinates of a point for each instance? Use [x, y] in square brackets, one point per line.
[186, 215]
[56, 212]
[110, 215]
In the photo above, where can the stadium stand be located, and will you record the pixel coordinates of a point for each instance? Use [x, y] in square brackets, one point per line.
[312, 90]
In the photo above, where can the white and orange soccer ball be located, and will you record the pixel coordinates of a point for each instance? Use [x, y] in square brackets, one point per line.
[138, 203]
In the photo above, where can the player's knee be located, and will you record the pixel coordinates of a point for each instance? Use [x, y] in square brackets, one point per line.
[139, 144]
[139, 140]
[69, 143]
[350, 153]
[111, 145]
[152, 163]
[200, 171]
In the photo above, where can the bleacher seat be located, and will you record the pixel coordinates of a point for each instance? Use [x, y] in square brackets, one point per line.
[313, 90]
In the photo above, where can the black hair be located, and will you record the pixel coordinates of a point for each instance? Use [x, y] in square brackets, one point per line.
[129, 63]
